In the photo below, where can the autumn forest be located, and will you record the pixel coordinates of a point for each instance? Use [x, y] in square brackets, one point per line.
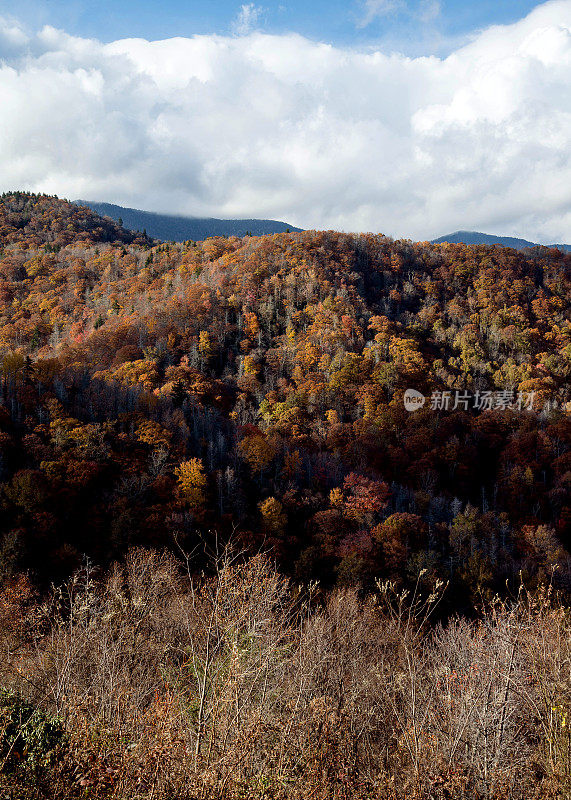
[227, 417]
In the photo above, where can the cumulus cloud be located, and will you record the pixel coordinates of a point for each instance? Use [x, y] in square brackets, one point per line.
[283, 127]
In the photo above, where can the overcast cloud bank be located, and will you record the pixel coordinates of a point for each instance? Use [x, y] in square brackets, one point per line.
[286, 128]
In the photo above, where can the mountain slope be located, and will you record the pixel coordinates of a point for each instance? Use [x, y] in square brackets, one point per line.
[173, 228]
[152, 395]
[474, 237]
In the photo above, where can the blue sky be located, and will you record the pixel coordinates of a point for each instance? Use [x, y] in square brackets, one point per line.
[415, 27]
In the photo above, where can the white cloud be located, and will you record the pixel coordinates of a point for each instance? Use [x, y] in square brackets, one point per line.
[283, 127]
[247, 19]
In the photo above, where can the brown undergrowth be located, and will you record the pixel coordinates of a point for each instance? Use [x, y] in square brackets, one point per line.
[150, 683]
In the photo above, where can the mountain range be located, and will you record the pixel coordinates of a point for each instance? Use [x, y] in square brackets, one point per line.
[474, 237]
[174, 228]
[179, 228]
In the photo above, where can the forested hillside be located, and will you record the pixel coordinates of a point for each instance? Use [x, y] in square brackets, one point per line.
[44, 221]
[282, 517]
[253, 387]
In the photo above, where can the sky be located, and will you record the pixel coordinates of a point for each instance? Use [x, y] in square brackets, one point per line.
[409, 117]
[420, 27]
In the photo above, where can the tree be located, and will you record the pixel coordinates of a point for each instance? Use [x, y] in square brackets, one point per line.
[399, 535]
[192, 483]
[274, 519]
[178, 393]
[257, 451]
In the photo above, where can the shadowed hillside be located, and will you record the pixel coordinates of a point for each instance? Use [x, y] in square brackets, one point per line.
[173, 228]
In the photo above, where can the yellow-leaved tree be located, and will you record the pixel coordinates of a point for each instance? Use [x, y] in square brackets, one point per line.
[192, 483]
[274, 518]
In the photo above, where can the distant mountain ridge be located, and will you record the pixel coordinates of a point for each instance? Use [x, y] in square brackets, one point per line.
[176, 228]
[179, 228]
[474, 237]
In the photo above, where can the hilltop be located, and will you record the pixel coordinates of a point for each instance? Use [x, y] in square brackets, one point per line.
[36, 220]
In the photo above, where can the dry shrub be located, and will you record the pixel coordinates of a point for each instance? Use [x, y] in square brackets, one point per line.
[234, 684]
